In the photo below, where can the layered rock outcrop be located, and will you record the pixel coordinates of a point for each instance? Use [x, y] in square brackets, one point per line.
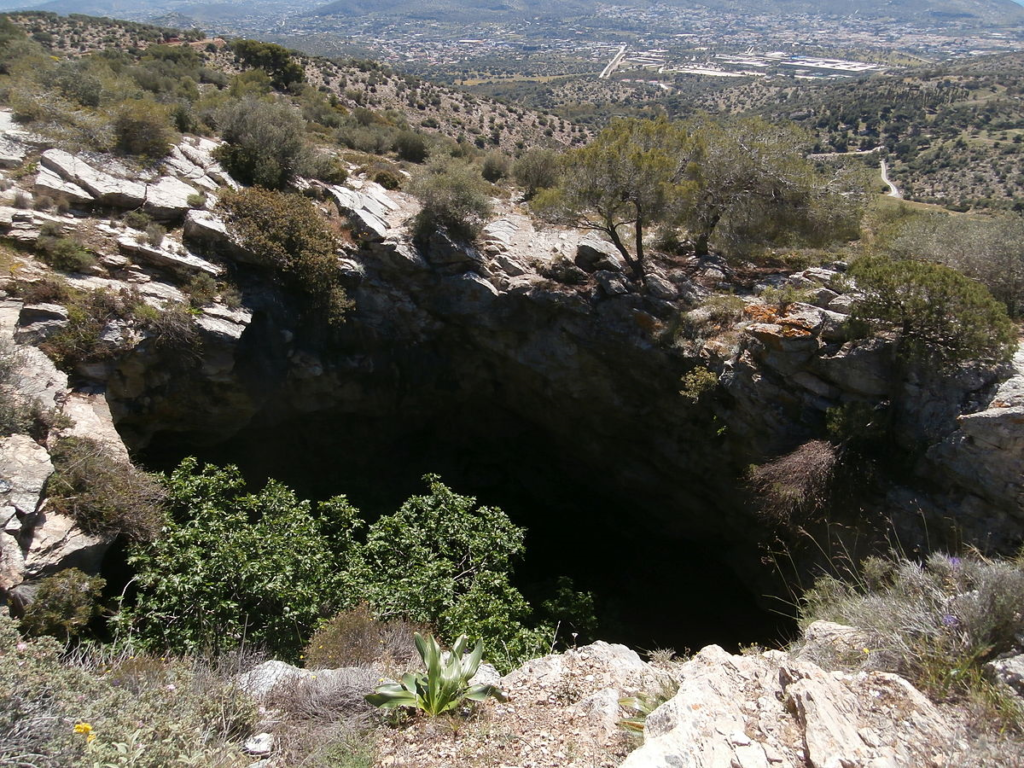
[539, 326]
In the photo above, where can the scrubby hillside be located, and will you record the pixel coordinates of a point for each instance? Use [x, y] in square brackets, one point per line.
[688, 356]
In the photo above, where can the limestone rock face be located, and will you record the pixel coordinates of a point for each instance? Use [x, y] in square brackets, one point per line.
[105, 188]
[165, 258]
[771, 710]
[167, 198]
[49, 183]
[986, 452]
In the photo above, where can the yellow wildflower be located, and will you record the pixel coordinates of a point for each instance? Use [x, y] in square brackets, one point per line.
[83, 728]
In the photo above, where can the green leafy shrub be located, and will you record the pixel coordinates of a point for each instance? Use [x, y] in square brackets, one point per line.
[986, 249]
[63, 605]
[411, 146]
[453, 196]
[440, 560]
[202, 289]
[233, 565]
[698, 383]
[495, 167]
[288, 234]
[138, 220]
[274, 59]
[265, 142]
[155, 234]
[88, 313]
[445, 684]
[102, 494]
[937, 313]
[388, 179]
[64, 253]
[143, 128]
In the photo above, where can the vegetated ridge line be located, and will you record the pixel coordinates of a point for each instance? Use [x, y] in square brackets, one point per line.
[616, 60]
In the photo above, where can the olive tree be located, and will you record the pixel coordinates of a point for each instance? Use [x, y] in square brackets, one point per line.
[753, 178]
[630, 177]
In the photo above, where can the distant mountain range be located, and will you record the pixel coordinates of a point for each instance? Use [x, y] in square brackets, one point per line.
[977, 11]
[971, 12]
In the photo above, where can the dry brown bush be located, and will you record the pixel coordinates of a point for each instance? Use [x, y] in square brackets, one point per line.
[793, 486]
[355, 637]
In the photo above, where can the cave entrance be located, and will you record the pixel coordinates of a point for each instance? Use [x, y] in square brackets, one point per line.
[654, 589]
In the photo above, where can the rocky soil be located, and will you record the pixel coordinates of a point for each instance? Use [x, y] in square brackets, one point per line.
[762, 709]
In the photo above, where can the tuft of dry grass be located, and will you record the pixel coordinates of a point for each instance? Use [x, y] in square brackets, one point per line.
[935, 622]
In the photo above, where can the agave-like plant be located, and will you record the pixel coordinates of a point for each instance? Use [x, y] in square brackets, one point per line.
[444, 685]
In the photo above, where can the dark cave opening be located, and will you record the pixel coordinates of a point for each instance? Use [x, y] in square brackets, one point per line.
[654, 588]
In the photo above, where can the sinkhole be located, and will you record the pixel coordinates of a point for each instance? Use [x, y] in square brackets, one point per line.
[656, 585]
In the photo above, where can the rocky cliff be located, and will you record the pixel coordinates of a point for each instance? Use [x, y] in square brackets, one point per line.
[539, 324]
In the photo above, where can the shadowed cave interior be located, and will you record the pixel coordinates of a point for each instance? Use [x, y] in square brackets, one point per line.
[653, 589]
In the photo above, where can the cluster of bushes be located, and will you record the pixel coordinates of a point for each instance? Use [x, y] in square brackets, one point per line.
[986, 249]
[266, 569]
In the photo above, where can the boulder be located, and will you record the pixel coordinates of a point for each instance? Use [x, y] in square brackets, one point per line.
[860, 367]
[167, 199]
[511, 264]
[770, 711]
[24, 469]
[54, 542]
[261, 680]
[208, 233]
[660, 288]
[497, 236]
[367, 226]
[593, 255]
[599, 666]
[829, 644]
[470, 294]
[40, 321]
[260, 745]
[185, 264]
[443, 251]
[90, 417]
[612, 283]
[394, 254]
[49, 183]
[1009, 672]
[841, 304]
[107, 189]
[37, 378]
